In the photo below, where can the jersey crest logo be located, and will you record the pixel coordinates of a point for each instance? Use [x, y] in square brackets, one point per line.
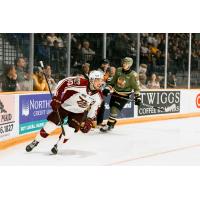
[121, 82]
[82, 103]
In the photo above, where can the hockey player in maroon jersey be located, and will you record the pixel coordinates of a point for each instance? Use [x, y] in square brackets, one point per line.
[73, 97]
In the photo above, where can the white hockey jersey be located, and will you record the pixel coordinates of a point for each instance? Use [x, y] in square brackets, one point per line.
[76, 97]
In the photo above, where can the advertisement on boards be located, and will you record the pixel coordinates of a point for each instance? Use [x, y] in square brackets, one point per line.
[33, 111]
[127, 111]
[8, 122]
[169, 101]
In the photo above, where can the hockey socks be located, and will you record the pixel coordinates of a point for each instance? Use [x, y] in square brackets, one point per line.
[63, 139]
[44, 132]
[110, 124]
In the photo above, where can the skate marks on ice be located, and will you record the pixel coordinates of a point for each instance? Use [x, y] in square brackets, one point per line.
[63, 152]
[67, 149]
[157, 154]
[76, 153]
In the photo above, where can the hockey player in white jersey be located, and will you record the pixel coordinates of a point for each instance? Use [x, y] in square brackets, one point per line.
[74, 97]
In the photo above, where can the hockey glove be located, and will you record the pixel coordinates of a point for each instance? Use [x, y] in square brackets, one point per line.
[137, 99]
[107, 90]
[87, 125]
[55, 104]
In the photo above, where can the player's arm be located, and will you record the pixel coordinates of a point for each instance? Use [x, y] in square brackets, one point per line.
[38, 86]
[109, 86]
[136, 87]
[91, 115]
[114, 80]
[61, 87]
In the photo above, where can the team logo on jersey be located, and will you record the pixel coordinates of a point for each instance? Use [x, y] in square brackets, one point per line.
[121, 82]
[82, 103]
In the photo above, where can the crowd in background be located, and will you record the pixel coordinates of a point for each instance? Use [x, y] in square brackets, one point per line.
[86, 54]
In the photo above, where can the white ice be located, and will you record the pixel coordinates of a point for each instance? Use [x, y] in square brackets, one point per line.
[169, 142]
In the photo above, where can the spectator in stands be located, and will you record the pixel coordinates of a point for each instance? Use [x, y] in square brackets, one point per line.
[87, 53]
[111, 72]
[143, 79]
[27, 84]
[142, 69]
[42, 51]
[77, 54]
[194, 59]
[153, 83]
[105, 69]
[150, 38]
[178, 47]
[121, 44]
[20, 64]
[51, 38]
[51, 81]
[153, 49]
[9, 79]
[161, 45]
[60, 41]
[160, 58]
[171, 80]
[77, 73]
[59, 76]
[39, 82]
[131, 48]
[144, 53]
[58, 54]
[85, 70]
[104, 65]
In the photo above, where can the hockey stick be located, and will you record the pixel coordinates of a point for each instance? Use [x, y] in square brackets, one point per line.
[172, 107]
[57, 111]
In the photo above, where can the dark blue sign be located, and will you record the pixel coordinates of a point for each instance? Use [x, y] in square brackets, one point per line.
[33, 111]
[34, 107]
[127, 111]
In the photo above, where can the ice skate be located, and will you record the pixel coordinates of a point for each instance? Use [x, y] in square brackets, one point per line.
[32, 145]
[106, 128]
[54, 150]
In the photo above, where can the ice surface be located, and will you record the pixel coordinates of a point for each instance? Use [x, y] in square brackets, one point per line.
[170, 142]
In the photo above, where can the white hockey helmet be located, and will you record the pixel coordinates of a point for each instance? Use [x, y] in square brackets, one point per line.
[95, 74]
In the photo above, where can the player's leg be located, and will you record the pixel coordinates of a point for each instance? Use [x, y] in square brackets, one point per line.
[48, 128]
[116, 105]
[73, 125]
[100, 114]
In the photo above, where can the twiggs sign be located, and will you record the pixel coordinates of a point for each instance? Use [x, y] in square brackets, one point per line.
[169, 101]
